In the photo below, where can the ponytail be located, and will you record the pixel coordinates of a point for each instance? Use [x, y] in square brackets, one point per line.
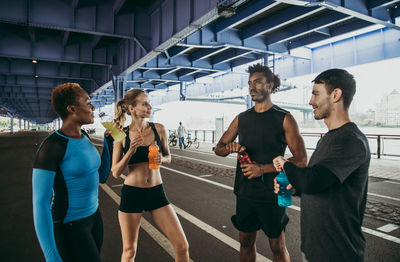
[122, 105]
[120, 110]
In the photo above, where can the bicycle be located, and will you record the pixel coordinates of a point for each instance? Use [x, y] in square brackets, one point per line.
[172, 139]
[195, 142]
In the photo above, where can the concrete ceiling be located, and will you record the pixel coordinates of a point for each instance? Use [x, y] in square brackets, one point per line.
[154, 44]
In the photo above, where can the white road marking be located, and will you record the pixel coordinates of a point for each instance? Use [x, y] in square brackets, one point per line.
[388, 228]
[205, 175]
[207, 228]
[381, 235]
[381, 196]
[212, 154]
[214, 232]
[198, 178]
[213, 163]
[205, 161]
[149, 228]
[366, 230]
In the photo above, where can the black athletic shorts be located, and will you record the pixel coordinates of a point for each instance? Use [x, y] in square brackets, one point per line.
[139, 199]
[80, 240]
[252, 216]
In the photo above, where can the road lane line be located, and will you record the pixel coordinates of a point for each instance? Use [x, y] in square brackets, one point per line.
[381, 235]
[205, 175]
[387, 197]
[388, 228]
[215, 233]
[149, 228]
[213, 163]
[209, 229]
[198, 178]
[210, 154]
[366, 230]
[199, 160]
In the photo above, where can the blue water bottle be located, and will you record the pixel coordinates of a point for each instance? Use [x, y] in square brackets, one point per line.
[284, 195]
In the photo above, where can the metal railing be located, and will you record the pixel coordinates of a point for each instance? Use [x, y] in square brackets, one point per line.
[380, 144]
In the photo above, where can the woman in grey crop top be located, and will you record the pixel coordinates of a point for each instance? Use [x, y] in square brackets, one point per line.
[143, 189]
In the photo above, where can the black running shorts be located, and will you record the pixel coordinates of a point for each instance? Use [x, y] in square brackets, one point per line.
[138, 199]
[252, 216]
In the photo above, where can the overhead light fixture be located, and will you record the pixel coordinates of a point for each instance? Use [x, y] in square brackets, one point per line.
[34, 61]
[36, 76]
[226, 11]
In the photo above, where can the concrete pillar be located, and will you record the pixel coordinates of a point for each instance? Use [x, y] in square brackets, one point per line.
[249, 102]
[118, 87]
[182, 91]
[24, 124]
[19, 123]
[11, 123]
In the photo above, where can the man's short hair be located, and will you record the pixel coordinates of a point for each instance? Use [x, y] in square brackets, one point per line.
[63, 96]
[338, 78]
[271, 77]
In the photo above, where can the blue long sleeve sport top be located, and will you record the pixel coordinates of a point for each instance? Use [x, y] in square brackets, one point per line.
[65, 184]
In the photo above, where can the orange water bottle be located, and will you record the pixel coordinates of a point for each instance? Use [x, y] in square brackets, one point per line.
[153, 152]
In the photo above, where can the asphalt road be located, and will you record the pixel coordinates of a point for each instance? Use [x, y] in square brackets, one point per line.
[198, 184]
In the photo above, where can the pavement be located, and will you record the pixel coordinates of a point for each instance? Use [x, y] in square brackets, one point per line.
[381, 170]
[19, 243]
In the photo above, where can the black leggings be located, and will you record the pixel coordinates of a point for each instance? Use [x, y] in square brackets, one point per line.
[80, 240]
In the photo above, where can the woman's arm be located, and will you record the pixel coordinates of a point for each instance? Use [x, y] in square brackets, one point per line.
[47, 161]
[42, 185]
[106, 158]
[120, 161]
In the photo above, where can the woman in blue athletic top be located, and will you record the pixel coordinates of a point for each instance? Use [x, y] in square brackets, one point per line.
[143, 189]
[66, 176]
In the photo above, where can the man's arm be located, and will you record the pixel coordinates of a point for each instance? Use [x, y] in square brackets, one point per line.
[294, 141]
[225, 145]
[310, 180]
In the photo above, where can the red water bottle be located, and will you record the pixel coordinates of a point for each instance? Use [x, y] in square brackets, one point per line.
[244, 157]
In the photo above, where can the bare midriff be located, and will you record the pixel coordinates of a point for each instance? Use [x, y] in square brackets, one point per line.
[141, 176]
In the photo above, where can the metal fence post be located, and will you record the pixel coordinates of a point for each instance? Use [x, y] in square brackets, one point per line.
[378, 149]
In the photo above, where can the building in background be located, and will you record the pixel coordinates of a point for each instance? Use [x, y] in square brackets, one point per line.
[387, 112]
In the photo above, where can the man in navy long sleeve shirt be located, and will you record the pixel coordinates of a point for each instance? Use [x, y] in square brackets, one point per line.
[334, 186]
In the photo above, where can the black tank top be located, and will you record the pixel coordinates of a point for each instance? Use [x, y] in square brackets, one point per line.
[142, 152]
[263, 136]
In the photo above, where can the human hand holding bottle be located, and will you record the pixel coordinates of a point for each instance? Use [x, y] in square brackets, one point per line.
[234, 147]
[281, 180]
[279, 162]
[112, 126]
[154, 157]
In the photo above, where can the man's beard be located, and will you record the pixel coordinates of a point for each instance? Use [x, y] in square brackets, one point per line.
[324, 112]
[259, 96]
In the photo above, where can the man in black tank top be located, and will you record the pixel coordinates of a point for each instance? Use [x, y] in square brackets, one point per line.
[264, 132]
